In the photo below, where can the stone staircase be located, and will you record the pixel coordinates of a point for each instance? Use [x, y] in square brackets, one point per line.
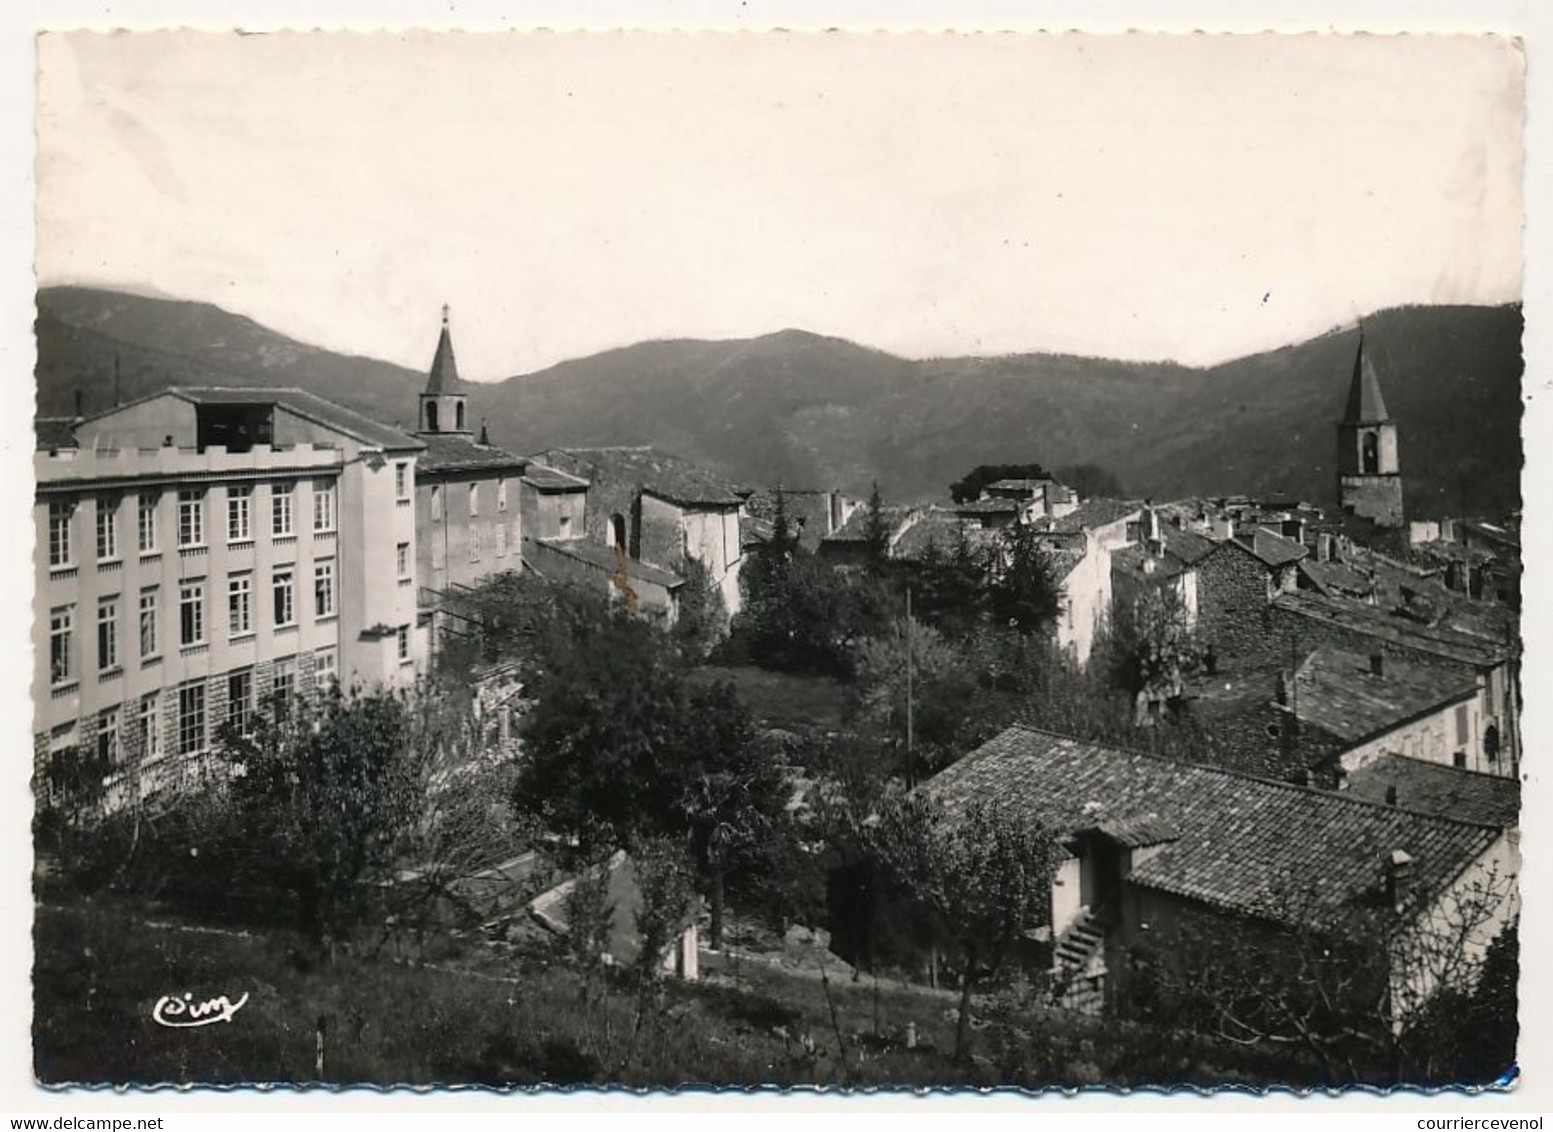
[1078, 965]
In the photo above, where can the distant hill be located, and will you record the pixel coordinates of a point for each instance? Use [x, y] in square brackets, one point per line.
[808, 411]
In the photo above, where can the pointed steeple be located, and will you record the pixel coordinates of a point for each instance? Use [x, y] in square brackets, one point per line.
[443, 401]
[1365, 404]
[444, 367]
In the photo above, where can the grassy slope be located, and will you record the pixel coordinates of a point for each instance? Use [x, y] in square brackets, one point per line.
[100, 969]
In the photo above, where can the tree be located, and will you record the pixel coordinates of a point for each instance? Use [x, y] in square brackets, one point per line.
[912, 689]
[969, 488]
[1150, 647]
[328, 792]
[951, 589]
[1026, 593]
[703, 616]
[984, 876]
[617, 746]
[1091, 481]
[876, 533]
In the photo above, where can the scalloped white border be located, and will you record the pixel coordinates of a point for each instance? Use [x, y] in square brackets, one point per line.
[19, 19]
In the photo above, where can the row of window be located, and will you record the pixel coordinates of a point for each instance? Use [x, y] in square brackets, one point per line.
[191, 616]
[191, 519]
[474, 498]
[192, 730]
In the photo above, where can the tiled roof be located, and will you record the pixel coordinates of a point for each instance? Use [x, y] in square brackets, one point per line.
[989, 507]
[1065, 560]
[934, 527]
[1435, 788]
[1335, 690]
[1334, 578]
[1131, 560]
[1188, 546]
[550, 479]
[1440, 640]
[1138, 833]
[855, 529]
[1273, 549]
[1094, 513]
[661, 473]
[446, 453]
[1020, 485]
[54, 432]
[603, 558]
[1257, 847]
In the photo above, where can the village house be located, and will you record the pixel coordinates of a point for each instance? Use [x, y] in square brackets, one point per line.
[847, 546]
[205, 551]
[622, 940]
[1157, 850]
[1300, 621]
[811, 515]
[657, 510]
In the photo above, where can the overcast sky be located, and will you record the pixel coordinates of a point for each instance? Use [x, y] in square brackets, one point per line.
[1193, 198]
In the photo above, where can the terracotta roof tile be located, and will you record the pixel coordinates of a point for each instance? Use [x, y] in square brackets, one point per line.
[1438, 789]
[661, 473]
[1258, 847]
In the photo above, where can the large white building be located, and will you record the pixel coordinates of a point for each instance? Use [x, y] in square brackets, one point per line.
[203, 551]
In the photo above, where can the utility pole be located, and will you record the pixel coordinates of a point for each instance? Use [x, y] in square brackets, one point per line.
[911, 764]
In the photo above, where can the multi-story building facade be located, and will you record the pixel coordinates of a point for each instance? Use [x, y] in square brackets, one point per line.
[205, 552]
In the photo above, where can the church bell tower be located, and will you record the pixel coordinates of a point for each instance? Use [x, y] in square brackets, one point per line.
[445, 400]
[1369, 473]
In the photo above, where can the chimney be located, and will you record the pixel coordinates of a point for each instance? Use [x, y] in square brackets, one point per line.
[1377, 664]
[1399, 876]
[1391, 795]
[1323, 547]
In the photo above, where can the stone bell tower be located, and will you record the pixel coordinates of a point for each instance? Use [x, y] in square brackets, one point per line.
[1369, 473]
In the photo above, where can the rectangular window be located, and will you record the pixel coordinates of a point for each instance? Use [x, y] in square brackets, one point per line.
[239, 604]
[285, 599]
[107, 528]
[323, 589]
[403, 633]
[149, 727]
[191, 719]
[145, 522]
[402, 481]
[107, 634]
[239, 527]
[474, 544]
[60, 514]
[1461, 726]
[436, 502]
[325, 671]
[191, 518]
[147, 623]
[191, 613]
[61, 629]
[501, 493]
[239, 699]
[280, 510]
[108, 735]
[323, 505]
[402, 559]
[566, 526]
[283, 686]
[474, 500]
[501, 539]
